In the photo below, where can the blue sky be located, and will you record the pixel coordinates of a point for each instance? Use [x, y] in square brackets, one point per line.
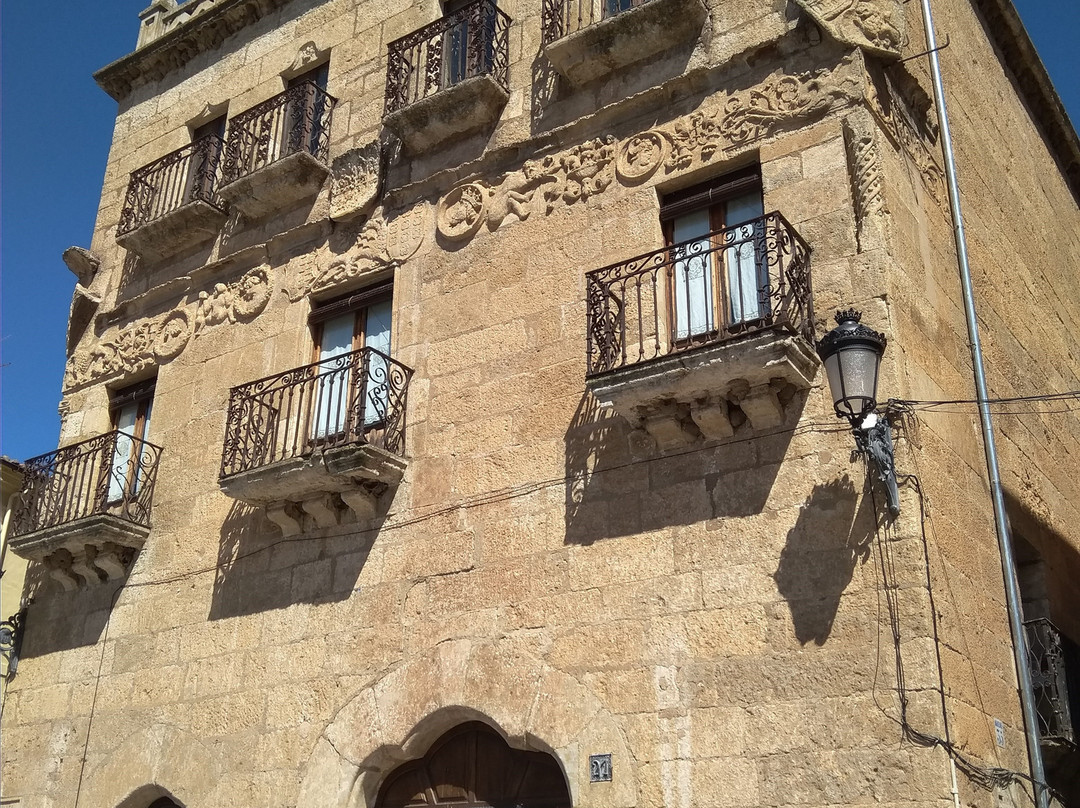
[55, 129]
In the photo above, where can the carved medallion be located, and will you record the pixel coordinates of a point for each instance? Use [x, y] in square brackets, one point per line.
[639, 157]
[173, 337]
[461, 212]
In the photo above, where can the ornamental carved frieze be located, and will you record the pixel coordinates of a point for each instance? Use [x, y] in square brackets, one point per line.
[382, 243]
[565, 178]
[874, 25]
[899, 124]
[160, 339]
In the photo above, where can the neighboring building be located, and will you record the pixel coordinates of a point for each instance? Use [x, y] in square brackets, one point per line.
[12, 577]
[442, 423]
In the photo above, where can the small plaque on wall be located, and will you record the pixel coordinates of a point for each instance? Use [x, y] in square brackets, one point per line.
[600, 768]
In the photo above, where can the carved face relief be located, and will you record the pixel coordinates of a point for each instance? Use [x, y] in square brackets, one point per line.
[639, 157]
[461, 211]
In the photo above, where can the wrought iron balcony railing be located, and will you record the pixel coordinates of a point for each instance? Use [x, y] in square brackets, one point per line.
[109, 475]
[468, 43]
[1046, 661]
[293, 122]
[357, 397]
[747, 278]
[186, 175]
[562, 17]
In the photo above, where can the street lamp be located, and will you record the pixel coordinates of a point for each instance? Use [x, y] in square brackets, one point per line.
[852, 355]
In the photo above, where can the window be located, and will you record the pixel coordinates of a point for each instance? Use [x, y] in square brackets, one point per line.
[352, 348]
[718, 272]
[130, 409]
[206, 142]
[613, 7]
[304, 119]
[468, 41]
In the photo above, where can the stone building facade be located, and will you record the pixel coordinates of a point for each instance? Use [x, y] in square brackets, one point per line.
[442, 423]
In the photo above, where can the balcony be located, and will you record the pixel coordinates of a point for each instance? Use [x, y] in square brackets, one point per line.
[449, 79]
[277, 153]
[1046, 660]
[84, 510]
[317, 439]
[691, 341]
[588, 39]
[171, 204]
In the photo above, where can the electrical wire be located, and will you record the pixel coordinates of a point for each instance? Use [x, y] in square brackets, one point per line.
[985, 777]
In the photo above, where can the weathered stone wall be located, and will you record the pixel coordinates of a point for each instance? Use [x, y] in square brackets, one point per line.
[717, 618]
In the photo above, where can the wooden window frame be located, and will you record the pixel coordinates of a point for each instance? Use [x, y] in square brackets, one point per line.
[712, 195]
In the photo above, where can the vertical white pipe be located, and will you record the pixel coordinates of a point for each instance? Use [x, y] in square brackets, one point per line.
[1008, 564]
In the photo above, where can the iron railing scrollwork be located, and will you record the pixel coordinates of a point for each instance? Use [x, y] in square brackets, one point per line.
[358, 397]
[749, 277]
[1046, 661]
[295, 121]
[186, 175]
[470, 42]
[562, 17]
[110, 474]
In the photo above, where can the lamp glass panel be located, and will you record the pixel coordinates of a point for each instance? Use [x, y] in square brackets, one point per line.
[858, 370]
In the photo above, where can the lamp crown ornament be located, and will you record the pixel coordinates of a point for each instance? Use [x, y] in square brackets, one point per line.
[849, 329]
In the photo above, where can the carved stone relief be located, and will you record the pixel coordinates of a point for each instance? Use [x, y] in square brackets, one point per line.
[867, 181]
[380, 244]
[590, 168]
[159, 339]
[889, 107]
[876, 25]
[355, 182]
[461, 212]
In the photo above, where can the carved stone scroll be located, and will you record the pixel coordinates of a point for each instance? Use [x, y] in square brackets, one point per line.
[590, 168]
[893, 113]
[875, 25]
[143, 343]
[867, 182]
[355, 182]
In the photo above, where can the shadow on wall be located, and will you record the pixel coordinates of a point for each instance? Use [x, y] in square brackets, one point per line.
[259, 569]
[833, 534]
[59, 620]
[616, 489]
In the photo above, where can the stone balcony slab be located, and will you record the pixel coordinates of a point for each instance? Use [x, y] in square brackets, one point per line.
[691, 395]
[276, 186]
[355, 474]
[639, 33]
[467, 107]
[92, 549]
[187, 226]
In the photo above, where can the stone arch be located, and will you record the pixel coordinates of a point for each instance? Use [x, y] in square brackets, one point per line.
[399, 715]
[133, 774]
[473, 765]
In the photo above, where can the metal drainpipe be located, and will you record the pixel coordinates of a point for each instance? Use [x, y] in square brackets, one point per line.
[1008, 564]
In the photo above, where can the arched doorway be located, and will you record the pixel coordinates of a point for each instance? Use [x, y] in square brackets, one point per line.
[473, 767]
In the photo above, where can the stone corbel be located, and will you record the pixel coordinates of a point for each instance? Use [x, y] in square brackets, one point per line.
[322, 509]
[712, 418]
[286, 515]
[361, 502]
[668, 428]
[761, 406]
[60, 570]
